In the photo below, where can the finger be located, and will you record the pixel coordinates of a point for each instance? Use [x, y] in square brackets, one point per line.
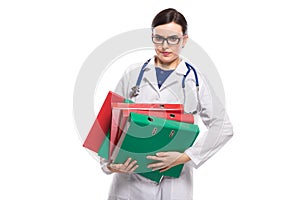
[128, 168]
[154, 158]
[127, 162]
[158, 168]
[134, 168]
[161, 154]
[156, 165]
[164, 169]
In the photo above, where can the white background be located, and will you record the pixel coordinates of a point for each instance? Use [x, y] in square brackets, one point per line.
[254, 45]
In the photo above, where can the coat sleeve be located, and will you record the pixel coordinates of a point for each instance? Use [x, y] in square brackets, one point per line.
[103, 164]
[219, 129]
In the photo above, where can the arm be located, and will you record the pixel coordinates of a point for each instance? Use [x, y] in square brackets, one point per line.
[127, 166]
[212, 113]
[215, 118]
[167, 160]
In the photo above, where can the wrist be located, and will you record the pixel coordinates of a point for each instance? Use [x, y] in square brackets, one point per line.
[110, 168]
[183, 159]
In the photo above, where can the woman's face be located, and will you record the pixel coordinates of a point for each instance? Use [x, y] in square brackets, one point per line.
[168, 41]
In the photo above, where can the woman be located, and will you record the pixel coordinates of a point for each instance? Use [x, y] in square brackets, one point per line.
[162, 82]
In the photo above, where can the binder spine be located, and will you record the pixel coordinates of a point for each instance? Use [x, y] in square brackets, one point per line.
[119, 144]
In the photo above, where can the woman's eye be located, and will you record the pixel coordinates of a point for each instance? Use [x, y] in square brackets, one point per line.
[173, 39]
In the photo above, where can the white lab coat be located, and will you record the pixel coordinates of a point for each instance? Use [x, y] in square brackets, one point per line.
[212, 113]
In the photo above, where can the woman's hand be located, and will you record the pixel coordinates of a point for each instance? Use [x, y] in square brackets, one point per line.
[167, 160]
[127, 167]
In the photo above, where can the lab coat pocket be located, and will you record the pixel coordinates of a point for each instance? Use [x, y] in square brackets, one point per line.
[182, 187]
[119, 189]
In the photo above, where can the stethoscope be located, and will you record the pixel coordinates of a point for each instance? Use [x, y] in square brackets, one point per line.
[136, 89]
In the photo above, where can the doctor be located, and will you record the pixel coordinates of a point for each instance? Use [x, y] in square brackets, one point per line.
[168, 78]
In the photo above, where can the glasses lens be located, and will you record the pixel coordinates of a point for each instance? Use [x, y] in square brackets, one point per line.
[157, 39]
[173, 40]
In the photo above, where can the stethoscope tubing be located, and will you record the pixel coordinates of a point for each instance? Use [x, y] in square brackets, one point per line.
[135, 89]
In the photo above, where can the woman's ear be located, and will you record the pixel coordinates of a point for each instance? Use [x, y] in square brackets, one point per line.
[185, 39]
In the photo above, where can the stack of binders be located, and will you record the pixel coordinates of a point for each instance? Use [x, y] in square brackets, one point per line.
[125, 129]
[101, 126]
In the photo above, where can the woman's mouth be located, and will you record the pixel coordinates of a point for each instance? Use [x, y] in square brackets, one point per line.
[165, 53]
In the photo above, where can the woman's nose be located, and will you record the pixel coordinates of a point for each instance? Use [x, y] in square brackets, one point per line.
[165, 44]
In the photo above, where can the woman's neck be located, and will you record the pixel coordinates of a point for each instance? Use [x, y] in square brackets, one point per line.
[167, 66]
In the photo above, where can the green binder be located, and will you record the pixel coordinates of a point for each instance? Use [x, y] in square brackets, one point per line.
[128, 101]
[146, 135]
[104, 148]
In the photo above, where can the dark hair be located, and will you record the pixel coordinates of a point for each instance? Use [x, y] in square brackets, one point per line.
[170, 15]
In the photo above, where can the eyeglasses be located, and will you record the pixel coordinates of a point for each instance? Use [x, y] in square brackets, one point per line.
[172, 40]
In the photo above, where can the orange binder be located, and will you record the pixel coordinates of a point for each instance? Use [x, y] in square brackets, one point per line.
[117, 123]
[102, 123]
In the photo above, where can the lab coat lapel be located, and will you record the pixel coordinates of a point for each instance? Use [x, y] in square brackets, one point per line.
[172, 79]
[175, 76]
[150, 75]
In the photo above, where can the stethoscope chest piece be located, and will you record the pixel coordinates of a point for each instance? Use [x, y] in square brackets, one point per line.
[135, 91]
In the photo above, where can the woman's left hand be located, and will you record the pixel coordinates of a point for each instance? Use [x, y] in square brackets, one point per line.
[166, 160]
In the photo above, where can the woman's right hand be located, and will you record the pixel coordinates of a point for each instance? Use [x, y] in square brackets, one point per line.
[127, 167]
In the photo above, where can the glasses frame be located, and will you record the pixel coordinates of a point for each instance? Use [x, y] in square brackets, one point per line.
[166, 39]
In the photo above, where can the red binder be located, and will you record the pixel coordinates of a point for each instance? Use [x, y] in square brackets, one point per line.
[161, 110]
[102, 123]
[176, 108]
